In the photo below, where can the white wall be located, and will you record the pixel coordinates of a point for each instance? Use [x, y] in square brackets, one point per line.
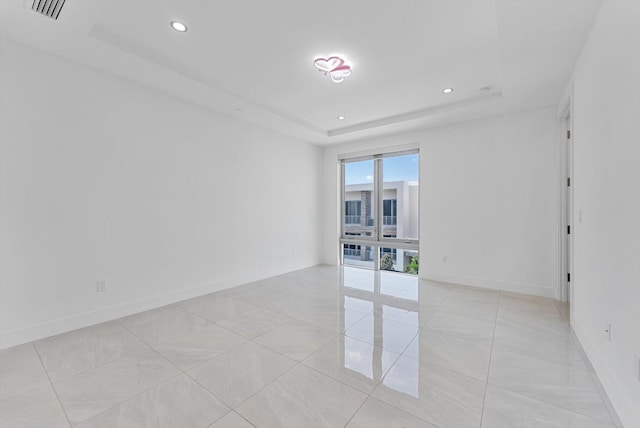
[606, 272]
[105, 179]
[487, 201]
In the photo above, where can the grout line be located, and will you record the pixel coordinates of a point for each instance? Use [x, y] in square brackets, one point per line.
[137, 393]
[94, 367]
[212, 394]
[64, 411]
[131, 397]
[252, 340]
[358, 409]
[212, 323]
[493, 339]
[564, 409]
[370, 394]
[342, 381]
[296, 364]
[150, 347]
[181, 373]
[239, 415]
[201, 363]
[300, 363]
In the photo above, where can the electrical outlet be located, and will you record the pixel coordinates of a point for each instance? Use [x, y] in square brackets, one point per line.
[638, 368]
[607, 330]
[101, 286]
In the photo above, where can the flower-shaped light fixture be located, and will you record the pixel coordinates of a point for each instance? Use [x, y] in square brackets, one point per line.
[334, 67]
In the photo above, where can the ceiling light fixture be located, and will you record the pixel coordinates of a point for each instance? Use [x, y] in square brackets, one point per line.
[178, 26]
[334, 67]
[340, 117]
[447, 91]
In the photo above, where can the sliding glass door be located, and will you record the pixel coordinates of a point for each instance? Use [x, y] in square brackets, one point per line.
[380, 200]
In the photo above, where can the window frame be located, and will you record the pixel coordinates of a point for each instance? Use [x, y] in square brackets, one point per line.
[377, 239]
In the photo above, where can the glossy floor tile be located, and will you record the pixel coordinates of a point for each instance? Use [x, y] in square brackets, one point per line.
[466, 327]
[478, 310]
[215, 308]
[473, 294]
[168, 324]
[432, 293]
[254, 323]
[385, 333]
[94, 391]
[261, 293]
[568, 386]
[442, 397]
[415, 316]
[376, 413]
[319, 347]
[21, 372]
[294, 306]
[179, 402]
[504, 409]
[86, 349]
[295, 339]
[356, 363]
[558, 347]
[302, 397]
[333, 318]
[191, 349]
[232, 420]
[38, 408]
[451, 352]
[238, 374]
[149, 315]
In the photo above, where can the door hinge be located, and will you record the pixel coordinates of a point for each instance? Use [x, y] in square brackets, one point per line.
[568, 134]
[568, 230]
[568, 181]
[568, 277]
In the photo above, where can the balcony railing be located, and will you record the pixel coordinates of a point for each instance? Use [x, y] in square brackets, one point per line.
[353, 252]
[356, 219]
[358, 253]
[389, 220]
[352, 219]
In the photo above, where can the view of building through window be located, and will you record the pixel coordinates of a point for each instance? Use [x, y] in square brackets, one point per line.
[386, 215]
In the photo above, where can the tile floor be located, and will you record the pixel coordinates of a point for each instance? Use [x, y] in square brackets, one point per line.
[320, 347]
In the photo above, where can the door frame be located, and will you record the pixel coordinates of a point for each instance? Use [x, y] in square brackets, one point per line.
[566, 182]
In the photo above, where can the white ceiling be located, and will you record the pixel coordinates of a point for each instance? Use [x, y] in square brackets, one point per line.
[254, 59]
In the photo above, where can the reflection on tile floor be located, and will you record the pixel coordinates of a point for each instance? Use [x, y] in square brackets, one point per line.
[321, 347]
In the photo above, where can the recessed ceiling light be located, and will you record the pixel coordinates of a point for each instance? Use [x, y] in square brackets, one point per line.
[178, 26]
[447, 91]
[340, 117]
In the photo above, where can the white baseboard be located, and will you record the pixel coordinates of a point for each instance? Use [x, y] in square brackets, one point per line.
[73, 322]
[624, 409]
[536, 290]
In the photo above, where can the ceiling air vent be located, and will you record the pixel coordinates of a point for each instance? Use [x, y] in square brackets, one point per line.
[50, 8]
